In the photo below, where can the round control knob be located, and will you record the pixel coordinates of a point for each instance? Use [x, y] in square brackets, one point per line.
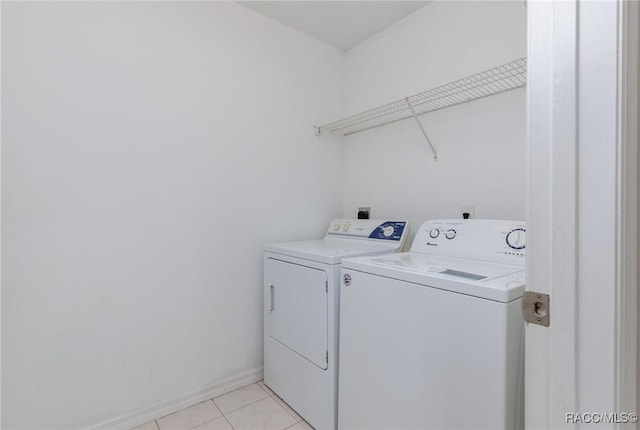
[336, 227]
[346, 227]
[434, 233]
[388, 231]
[517, 238]
[450, 234]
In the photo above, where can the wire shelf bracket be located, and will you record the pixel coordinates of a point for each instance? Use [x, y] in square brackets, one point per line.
[413, 112]
[500, 79]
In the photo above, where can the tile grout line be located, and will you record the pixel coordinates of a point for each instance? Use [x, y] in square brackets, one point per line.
[253, 403]
[270, 394]
[273, 396]
[221, 413]
[228, 422]
[201, 424]
[221, 416]
[276, 397]
[235, 410]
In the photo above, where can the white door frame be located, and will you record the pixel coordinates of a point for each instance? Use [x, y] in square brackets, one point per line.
[582, 214]
[629, 166]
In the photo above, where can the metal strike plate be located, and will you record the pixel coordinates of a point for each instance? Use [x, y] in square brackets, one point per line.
[535, 308]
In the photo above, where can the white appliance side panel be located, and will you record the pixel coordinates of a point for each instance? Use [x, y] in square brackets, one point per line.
[414, 357]
[297, 308]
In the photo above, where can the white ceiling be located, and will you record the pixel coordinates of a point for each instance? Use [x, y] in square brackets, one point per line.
[343, 24]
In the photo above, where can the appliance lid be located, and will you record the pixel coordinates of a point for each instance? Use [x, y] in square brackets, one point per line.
[347, 238]
[331, 250]
[493, 281]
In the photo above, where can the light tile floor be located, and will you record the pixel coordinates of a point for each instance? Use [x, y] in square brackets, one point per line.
[254, 407]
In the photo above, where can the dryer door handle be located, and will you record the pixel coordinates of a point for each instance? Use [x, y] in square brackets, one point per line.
[272, 302]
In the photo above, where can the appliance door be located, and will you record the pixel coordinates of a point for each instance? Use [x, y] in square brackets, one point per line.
[416, 357]
[297, 308]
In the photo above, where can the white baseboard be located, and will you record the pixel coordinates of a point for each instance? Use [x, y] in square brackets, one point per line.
[166, 407]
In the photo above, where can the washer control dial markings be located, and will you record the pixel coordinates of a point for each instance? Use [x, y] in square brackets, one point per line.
[389, 230]
[517, 238]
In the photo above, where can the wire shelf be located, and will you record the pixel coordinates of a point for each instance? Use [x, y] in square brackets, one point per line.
[497, 80]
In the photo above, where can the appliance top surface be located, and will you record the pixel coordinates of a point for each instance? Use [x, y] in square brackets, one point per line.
[330, 248]
[345, 238]
[483, 258]
[493, 281]
[441, 267]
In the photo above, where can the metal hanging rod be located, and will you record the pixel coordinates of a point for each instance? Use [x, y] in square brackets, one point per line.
[497, 80]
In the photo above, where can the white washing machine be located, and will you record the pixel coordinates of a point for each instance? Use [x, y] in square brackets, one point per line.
[434, 338]
[301, 303]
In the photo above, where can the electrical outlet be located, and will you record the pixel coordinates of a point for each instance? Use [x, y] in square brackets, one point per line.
[468, 209]
[364, 213]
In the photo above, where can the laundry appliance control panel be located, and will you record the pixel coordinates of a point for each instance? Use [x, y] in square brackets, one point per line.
[368, 229]
[496, 241]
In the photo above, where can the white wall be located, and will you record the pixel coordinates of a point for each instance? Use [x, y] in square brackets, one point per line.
[149, 150]
[481, 145]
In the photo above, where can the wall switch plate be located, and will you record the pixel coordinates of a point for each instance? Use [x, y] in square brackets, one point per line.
[468, 209]
[364, 213]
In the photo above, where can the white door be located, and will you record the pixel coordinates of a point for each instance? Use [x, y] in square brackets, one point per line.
[296, 297]
[582, 248]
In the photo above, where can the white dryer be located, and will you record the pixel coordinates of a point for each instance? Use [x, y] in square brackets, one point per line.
[301, 305]
[434, 338]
